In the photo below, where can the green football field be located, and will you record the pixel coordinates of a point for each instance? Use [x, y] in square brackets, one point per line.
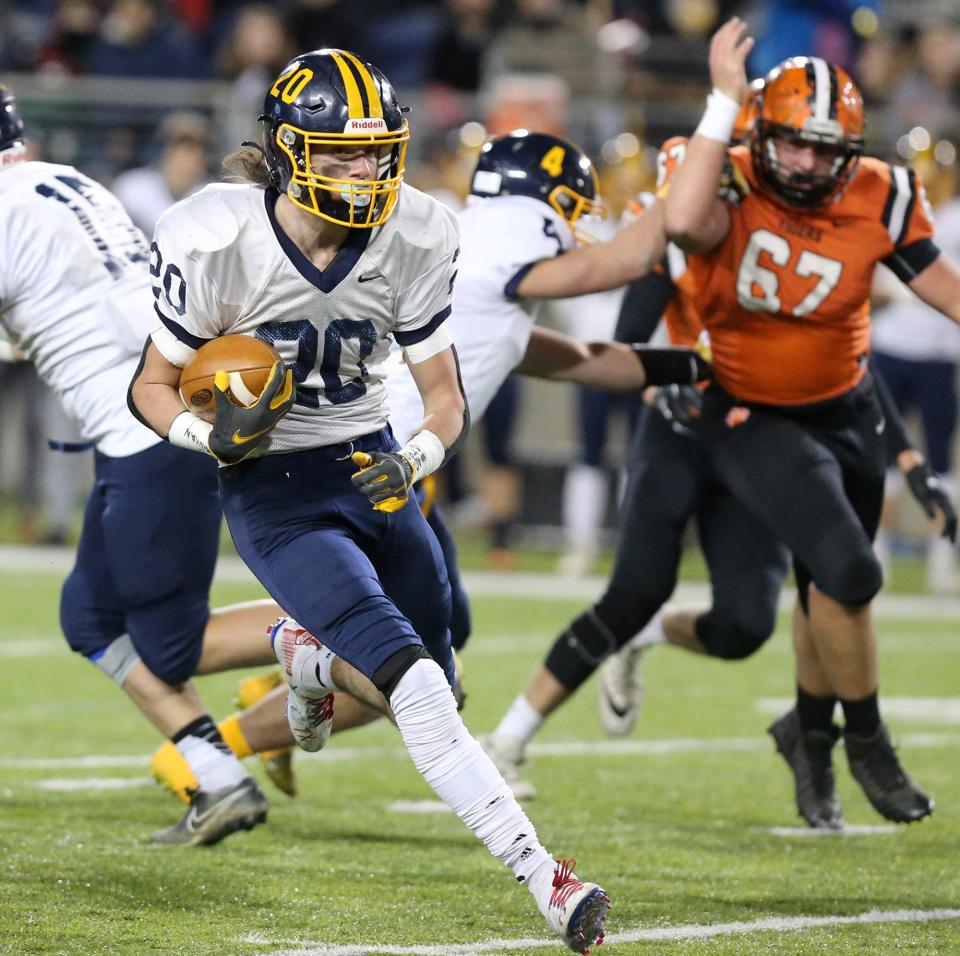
[689, 823]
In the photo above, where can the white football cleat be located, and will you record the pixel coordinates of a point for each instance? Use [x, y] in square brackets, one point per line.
[507, 755]
[309, 711]
[576, 911]
[620, 690]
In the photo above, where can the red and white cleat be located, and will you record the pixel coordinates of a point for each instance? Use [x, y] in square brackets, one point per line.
[576, 911]
[309, 708]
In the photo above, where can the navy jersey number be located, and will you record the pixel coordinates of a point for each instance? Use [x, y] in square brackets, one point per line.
[307, 339]
[75, 193]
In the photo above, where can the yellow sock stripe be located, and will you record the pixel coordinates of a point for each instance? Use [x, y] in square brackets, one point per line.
[234, 737]
[354, 102]
[373, 95]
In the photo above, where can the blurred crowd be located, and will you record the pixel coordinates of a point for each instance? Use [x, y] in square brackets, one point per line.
[618, 76]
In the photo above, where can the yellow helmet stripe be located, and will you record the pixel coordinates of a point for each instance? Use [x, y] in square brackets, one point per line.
[373, 95]
[350, 85]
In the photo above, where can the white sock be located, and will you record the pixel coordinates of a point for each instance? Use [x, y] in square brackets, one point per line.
[584, 505]
[214, 769]
[522, 720]
[458, 770]
[652, 634]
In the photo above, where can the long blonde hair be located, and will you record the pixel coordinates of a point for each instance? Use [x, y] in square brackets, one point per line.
[247, 165]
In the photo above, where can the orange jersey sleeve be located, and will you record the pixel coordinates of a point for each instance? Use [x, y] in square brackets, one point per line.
[785, 296]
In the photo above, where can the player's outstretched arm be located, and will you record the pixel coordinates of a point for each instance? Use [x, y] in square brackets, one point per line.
[695, 219]
[631, 253]
[939, 286]
[610, 366]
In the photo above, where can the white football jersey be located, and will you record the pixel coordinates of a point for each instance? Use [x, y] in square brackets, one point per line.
[222, 264]
[500, 240]
[75, 295]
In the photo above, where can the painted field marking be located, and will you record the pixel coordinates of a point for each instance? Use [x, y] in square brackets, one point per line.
[418, 806]
[33, 647]
[68, 784]
[927, 710]
[779, 924]
[847, 830]
[566, 748]
[547, 586]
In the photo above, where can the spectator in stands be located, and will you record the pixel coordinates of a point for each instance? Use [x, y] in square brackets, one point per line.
[927, 95]
[458, 55]
[258, 46]
[181, 168]
[832, 29]
[139, 38]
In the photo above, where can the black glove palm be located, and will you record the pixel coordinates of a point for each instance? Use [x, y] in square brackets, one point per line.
[680, 405]
[239, 429]
[385, 477]
[929, 490]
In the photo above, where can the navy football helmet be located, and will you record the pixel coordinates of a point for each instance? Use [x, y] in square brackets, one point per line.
[543, 166]
[331, 100]
[11, 125]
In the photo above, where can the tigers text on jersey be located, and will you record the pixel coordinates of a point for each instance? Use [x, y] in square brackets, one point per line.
[501, 239]
[785, 295]
[75, 295]
[222, 265]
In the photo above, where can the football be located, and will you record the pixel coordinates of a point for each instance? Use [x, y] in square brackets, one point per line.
[246, 360]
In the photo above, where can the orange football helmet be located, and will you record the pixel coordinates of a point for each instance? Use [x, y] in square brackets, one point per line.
[808, 102]
[747, 117]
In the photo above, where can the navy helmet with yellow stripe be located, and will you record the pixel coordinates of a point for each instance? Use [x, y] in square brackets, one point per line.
[331, 100]
[546, 167]
[11, 125]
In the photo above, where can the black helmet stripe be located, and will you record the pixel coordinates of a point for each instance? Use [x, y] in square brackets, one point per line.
[363, 97]
[834, 90]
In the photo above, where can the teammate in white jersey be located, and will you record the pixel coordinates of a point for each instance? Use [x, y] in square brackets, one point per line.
[73, 283]
[326, 254]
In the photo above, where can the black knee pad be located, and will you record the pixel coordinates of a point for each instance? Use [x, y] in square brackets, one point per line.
[730, 639]
[390, 672]
[856, 579]
[581, 648]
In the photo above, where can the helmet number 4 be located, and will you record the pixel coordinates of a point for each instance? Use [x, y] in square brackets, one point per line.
[758, 287]
[553, 159]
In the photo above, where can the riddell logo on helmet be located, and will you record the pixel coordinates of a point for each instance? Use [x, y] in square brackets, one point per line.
[365, 126]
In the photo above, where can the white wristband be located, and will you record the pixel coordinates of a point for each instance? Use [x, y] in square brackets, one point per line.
[188, 431]
[719, 117]
[425, 452]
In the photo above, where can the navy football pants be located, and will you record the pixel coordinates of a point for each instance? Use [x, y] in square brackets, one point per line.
[366, 583]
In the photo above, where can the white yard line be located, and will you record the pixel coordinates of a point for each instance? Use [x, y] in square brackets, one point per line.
[927, 710]
[68, 784]
[561, 749]
[847, 830]
[777, 924]
[14, 558]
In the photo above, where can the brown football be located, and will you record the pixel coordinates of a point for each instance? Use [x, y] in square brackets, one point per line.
[245, 359]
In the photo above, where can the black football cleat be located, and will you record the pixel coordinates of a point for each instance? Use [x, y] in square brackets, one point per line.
[215, 814]
[808, 754]
[889, 788]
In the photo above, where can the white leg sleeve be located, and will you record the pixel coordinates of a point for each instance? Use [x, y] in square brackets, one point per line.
[458, 770]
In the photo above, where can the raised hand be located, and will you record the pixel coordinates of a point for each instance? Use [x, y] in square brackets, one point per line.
[729, 48]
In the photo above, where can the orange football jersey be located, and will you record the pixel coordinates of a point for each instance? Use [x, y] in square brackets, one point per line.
[785, 296]
[680, 316]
